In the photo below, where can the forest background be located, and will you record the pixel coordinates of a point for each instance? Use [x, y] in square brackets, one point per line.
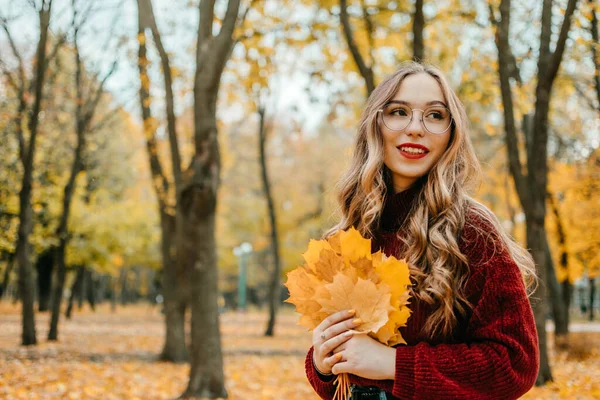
[121, 121]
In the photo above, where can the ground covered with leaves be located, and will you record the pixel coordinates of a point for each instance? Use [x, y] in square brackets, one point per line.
[105, 355]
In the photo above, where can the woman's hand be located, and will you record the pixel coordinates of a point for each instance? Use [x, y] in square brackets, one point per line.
[365, 357]
[330, 334]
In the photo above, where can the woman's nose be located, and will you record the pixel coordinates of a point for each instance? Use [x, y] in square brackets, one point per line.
[415, 127]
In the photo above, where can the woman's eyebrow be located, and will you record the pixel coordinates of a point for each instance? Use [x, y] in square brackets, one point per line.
[429, 103]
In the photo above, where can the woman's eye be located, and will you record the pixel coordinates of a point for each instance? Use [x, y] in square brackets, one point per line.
[435, 115]
[399, 112]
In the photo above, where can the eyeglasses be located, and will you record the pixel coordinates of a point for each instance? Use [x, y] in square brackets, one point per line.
[397, 116]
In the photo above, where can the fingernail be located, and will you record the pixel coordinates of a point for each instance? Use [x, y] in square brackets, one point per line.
[351, 312]
[357, 321]
[348, 333]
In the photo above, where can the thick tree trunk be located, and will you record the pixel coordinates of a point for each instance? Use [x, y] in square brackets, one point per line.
[45, 266]
[418, 27]
[198, 227]
[175, 294]
[274, 285]
[197, 202]
[196, 240]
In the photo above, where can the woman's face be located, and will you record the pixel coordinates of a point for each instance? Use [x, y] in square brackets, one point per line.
[410, 153]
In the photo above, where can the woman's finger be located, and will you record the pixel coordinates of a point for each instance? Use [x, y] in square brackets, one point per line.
[335, 342]
[340, 327]
[319, 334]
[341, 367]
[331, 361]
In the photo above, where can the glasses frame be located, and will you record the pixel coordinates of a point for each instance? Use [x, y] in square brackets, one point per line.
[420, 119]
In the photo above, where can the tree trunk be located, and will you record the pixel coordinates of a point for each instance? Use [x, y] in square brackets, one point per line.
[532, 185]
[274, 285]
[536, 237]
[45, 267]
[197, 202]
[555, 297]
[175, 294]
[562, 329]
[196, 240]
[592, 296]
[418, 27]
[26, 283]
[90, 288]
[57, 291]
[75, 288]
[175, 283]
[6, 280]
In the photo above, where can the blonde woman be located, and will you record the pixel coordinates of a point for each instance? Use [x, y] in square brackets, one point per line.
[472, 333]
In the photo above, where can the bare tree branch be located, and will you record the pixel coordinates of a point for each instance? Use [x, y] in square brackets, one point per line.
[207, 13]
[231, 17]
[556, 57]
[502, 35]
[169, 96]
[14, 49]
[370, 30]
[365, 70]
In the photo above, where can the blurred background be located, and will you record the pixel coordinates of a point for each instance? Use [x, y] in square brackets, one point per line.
[163, 162]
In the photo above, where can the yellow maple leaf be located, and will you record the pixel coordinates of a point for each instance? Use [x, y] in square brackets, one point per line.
[303, 287]
[335, 241]
[395, 273]
[328, 265]
[371, 301]
[312, 255]
[354, 246]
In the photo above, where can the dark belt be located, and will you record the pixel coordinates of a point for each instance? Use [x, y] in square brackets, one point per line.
[367, 393]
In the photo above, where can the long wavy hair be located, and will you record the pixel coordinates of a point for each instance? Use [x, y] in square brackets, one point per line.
[431, 231]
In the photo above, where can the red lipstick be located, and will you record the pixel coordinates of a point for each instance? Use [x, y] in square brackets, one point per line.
[412, 150]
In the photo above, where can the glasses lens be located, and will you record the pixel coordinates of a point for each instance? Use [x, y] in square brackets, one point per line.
[396, 116]
[437, 119]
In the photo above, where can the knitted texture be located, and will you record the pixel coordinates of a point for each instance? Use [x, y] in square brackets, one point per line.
[493, 353]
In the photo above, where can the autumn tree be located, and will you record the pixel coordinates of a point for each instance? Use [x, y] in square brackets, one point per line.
[87, 98]
[531, 179]
[28, 113]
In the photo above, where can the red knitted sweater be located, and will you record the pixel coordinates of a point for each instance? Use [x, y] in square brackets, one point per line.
[493, 353]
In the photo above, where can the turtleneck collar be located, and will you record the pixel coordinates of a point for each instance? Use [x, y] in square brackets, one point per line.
[397, 206]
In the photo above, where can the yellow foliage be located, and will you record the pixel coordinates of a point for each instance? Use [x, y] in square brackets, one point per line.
[341, 274]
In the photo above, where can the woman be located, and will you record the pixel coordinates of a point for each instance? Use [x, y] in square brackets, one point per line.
[471, 334]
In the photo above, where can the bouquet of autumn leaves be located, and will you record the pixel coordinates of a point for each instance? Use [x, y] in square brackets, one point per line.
[341, 274]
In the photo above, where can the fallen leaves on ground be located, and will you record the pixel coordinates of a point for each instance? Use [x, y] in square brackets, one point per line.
[108, 356]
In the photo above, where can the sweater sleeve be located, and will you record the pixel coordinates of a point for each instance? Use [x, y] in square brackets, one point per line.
[322, 384]
[500, 361]
[500, 358]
